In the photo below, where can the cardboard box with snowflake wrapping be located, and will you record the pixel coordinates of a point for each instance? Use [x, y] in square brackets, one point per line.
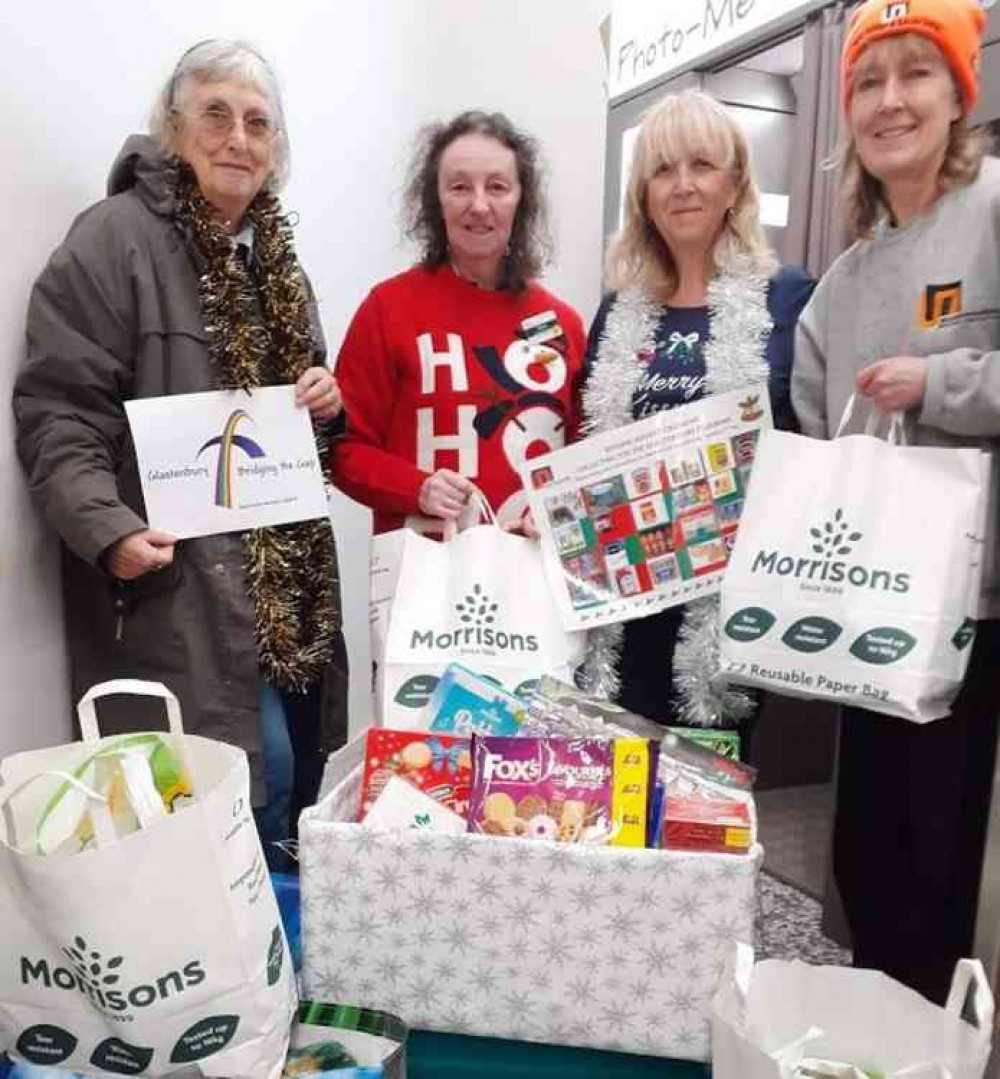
[609, 948]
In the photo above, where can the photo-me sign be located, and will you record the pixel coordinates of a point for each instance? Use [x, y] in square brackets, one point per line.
[652, 39]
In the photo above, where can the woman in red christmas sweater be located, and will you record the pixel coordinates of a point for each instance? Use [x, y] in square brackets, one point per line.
[456, 371]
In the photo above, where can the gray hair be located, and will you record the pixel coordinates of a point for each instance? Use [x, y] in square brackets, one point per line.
[215, 61]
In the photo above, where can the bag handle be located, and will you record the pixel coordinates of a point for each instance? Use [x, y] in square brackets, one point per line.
[970, 978]
[135, 687]
[481, 504]
[104, 830]
[897, 426]
[896, 435]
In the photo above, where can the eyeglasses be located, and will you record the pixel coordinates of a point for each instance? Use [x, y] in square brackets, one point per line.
[217, 123]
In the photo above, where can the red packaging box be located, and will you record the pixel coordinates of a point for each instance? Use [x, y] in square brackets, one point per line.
[694, 822]
[438, 764]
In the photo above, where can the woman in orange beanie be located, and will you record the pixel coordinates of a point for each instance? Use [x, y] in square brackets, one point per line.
[909, 318]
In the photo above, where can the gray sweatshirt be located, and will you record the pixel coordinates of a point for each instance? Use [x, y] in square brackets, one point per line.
[931, 289]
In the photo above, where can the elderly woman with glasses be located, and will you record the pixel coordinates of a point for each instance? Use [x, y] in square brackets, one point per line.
[185, 280]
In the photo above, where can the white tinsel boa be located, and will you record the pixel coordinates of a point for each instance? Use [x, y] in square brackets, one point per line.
[739, 327]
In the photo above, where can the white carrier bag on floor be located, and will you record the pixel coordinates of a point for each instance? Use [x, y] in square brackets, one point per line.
[141, 953]
[855, 577]
[789, 1020]
[478, 597]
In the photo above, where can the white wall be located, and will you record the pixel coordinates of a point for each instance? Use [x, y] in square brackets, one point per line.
[359, 80]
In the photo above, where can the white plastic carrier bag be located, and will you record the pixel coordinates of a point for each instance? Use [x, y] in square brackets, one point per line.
[789, 1020]
[855, 577]
[478, 597]
[146, 952]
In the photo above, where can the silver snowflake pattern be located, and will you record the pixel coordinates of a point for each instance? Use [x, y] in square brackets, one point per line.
[540, 980]
[390, 969]
[559, 859]
[646, 898]
[364, 929]
[639, 993]
[681, 1002]
[545, 890]
[484, 980]
[423, 937]
[524, 913]
[328, 984]
[618, 1016]
[685, 907]
[585, 898]
[691, 946]
[461, 849]
[367, 842]
[447, 879]
[556, 949]
[621, 921]
[519, 1007]
[458, 938]
[581, 992]
[351, 871]
[425, 902]
[657, 959]
[484, 887]
[389, 878]
[445, 971]
[517, 881]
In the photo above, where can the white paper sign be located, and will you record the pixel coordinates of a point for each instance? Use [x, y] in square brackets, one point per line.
[226, 461]
[651, 38]
[644, 518]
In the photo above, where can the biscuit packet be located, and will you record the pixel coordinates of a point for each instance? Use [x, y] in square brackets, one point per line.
[437, 764]
[558, 789]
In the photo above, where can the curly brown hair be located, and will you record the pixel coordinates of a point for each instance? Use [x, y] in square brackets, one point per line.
[530, 247]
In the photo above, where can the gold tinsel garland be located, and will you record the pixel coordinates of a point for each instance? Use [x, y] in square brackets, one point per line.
[259, 335]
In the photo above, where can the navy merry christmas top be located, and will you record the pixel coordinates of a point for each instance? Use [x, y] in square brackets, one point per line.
[676, 373]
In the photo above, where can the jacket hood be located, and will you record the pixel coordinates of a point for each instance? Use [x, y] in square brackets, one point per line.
[142, 165]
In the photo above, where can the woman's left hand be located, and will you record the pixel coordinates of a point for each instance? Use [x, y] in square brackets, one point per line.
[895, 384]
[318, 391]
[523, 526]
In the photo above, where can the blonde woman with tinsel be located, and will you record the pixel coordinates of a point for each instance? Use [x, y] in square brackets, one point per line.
[698, 306]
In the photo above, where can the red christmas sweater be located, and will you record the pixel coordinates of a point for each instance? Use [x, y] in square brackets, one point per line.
[438, 373]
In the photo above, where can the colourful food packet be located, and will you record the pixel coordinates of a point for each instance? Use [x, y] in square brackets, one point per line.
[542, 788]
[465, 703]
[438, 764]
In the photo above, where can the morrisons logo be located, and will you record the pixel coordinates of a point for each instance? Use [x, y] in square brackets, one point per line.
[476, 616]
[100, 979]
[831, 544]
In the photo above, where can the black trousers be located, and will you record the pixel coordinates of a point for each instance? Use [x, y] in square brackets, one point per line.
[912, 808]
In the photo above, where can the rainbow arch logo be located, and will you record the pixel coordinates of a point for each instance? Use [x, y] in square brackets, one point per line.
[224, 466]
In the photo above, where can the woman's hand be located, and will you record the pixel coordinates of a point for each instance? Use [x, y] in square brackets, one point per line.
[444, 494]
[523, 526]
[139, 553]
[894, 385]
[318, 391]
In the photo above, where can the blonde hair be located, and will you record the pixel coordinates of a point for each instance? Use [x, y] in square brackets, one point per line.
[862, 198]
[687, 124]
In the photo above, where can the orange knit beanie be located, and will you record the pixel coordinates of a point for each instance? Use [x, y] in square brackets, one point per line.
[954, 26]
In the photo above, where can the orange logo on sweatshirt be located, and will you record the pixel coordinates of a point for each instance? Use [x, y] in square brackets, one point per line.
[939, 302]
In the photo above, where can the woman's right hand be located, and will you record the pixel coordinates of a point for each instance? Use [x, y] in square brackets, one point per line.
[139, 553]
[444, 494]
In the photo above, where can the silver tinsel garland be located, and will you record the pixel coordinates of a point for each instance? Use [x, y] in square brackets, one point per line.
[739, 325]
